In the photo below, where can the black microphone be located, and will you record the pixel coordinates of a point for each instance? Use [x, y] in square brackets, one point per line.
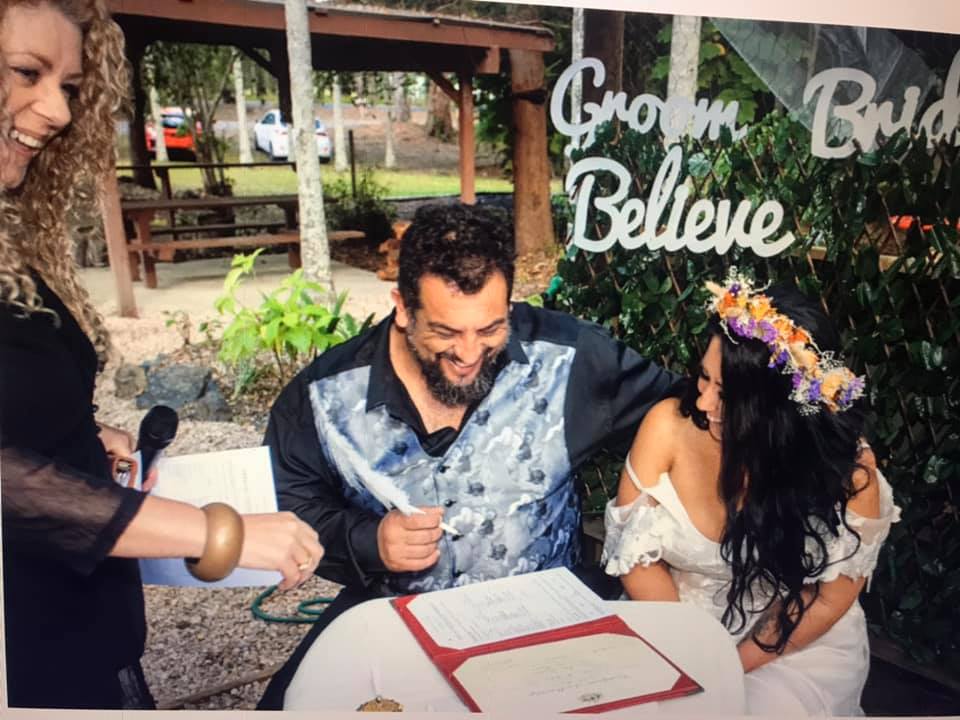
[157, 430]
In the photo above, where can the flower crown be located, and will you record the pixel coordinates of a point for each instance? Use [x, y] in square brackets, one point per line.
[818, 378]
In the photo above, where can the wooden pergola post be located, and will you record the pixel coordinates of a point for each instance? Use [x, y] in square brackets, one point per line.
[117, 245]
[532, 220]
[468, 149]
[139, 157]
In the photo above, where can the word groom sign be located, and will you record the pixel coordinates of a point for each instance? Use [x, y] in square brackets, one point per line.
[662, 220]
[634, 222]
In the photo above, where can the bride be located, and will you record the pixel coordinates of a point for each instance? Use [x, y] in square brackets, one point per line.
[754, 498]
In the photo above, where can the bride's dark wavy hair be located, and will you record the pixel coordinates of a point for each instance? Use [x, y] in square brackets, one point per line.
[785, 478]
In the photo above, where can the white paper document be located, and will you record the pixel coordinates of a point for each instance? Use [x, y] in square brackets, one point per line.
[510, 607]
[241, 478]
[566, 675]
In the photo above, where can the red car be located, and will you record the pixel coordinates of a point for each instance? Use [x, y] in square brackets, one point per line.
[176, 135]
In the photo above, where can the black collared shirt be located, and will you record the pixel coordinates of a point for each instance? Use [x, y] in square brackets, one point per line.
[601, 393]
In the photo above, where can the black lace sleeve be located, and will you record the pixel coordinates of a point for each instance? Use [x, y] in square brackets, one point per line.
[55, 510]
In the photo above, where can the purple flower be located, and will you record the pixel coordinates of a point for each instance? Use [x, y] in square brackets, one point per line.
[769, 332]
[782, 358]
[853, 389]
[813, 392]
[796, 380]
[735, 289]
[737, 327]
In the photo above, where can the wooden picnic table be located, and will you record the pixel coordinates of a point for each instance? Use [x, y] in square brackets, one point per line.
[142, 212]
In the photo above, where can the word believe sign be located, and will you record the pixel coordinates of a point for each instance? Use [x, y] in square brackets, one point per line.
[662, 220]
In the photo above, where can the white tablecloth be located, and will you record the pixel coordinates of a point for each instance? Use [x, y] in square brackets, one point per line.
[368, 651]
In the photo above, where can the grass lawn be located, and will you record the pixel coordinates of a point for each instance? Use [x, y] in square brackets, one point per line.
[281, 179]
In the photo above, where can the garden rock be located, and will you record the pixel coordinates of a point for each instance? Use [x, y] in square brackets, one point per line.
[129, 381]
[174, 385]
[211, 406]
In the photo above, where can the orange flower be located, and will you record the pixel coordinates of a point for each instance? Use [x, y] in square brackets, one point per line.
[831, 384]
[727, 302]
[760, 307]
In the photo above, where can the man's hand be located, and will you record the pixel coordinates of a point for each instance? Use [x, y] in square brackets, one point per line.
[408, 543]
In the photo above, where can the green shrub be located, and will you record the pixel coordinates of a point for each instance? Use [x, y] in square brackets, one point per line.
[368, 211]
[291, 323]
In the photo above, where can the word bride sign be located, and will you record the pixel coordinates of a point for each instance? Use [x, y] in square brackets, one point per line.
[635, 222]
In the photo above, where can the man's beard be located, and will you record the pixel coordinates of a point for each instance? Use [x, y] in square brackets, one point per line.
[450, 393]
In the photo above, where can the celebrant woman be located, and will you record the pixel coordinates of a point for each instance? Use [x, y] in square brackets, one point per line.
[74, 617]
[755, 498]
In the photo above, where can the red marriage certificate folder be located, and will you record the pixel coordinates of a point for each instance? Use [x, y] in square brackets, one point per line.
[592, 698]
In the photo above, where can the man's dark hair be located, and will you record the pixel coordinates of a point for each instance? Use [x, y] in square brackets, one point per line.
[462, 244]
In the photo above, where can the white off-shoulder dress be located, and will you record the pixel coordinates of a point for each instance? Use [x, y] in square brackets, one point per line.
[824, 678]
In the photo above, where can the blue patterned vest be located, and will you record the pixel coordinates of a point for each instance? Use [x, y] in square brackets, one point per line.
[506, 481]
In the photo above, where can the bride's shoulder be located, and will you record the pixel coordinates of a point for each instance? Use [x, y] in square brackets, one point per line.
[666, 413]
[657, 433]
[865, 500]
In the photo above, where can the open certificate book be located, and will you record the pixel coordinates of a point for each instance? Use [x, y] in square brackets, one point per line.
[541, 642]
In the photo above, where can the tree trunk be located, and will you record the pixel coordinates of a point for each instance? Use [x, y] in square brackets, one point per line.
[441, 119]
[603, 39]
[160, 143]
[314, 249]
[532, 221]
[576, 89]
[243, 136]
[389, 158]
[428, 115]
[400, 100]
[684, 61]
[339, 134]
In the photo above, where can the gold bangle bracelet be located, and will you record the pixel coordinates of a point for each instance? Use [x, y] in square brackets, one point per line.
[221, 550]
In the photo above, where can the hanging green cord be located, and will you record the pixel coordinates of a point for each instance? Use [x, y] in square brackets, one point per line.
[305, 608]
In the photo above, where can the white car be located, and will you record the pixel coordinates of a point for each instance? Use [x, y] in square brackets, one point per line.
[273, 137]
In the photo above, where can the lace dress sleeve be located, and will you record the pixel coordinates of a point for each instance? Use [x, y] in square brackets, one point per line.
[58, 511]
[634, 535]
[857, 557]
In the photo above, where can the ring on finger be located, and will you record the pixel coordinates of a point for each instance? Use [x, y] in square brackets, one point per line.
[304, 565]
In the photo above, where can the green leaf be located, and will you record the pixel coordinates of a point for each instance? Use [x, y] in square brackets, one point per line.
[270, 332]
[933, 471]
[300, 338]
[699, 165]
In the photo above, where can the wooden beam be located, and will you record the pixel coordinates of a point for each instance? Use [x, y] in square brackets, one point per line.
[533, 222]
[468, 160]
[257, 57]
[448, 89]
[117, 252]
[490, 65]
[281, 71]
[347, 22]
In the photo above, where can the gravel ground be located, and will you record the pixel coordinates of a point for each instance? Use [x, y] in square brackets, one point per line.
[198, 638]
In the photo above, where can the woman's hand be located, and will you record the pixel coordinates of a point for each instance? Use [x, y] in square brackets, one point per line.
[120, 444]
[280, 541]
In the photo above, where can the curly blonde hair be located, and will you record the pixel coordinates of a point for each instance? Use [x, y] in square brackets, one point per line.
[33, 230]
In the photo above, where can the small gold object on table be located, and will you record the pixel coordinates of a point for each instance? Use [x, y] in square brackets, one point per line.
[380, 704]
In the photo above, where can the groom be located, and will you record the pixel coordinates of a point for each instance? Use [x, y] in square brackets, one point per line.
[478, 411]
